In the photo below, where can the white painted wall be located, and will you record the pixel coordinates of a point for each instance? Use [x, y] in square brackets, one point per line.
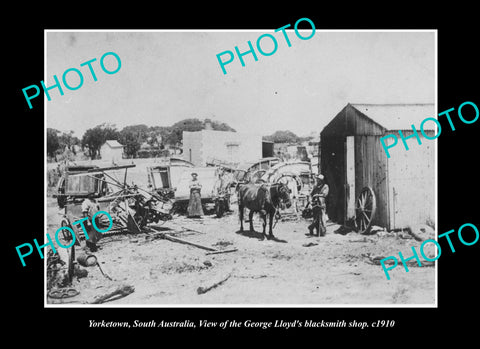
[233, 147]
[111, 154]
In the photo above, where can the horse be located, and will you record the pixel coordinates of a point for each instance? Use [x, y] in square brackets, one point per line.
[292, 182]
[265, 199]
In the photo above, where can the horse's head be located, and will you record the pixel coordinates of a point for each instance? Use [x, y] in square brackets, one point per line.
[283, 195]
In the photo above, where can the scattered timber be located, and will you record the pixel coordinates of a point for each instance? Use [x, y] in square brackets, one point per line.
[116, 292]
[205, 289]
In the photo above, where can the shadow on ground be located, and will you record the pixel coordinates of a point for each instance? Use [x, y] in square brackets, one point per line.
[259, 236]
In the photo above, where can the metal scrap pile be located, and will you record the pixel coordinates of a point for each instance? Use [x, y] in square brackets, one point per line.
[136, 208]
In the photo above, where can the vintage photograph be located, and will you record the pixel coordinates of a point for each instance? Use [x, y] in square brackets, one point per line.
[230, 168]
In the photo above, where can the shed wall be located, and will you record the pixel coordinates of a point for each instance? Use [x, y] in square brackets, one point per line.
[232, 147]
[371, 170]
[351, 122]
[333, 168]
[404, 184]
[192, 147]
[412, 182]
[111, 154]
[360, 124]
[370, 162]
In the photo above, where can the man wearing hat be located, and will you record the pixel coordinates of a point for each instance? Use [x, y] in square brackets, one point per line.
[194, 208]
[318, 195]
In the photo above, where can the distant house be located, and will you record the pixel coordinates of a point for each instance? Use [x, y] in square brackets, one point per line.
[112, 151]
[206, 146]
[267, 149]
[352, 158]
[290, 151]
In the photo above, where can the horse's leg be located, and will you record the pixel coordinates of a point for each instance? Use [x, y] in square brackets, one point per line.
[250, 216]
[264, 217]
[240, 212]
[270, 217]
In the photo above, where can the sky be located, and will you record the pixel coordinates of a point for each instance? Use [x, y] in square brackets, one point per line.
[167, 76]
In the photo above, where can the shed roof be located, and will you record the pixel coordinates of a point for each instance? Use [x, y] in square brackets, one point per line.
[113, 144]
[398, 116]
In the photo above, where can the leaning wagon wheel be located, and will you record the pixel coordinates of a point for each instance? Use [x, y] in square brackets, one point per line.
[365, 208]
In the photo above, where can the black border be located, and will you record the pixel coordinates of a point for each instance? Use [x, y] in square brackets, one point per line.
[457, 188]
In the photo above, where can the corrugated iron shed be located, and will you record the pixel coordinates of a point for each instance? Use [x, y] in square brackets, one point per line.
[398, 116]
[352, 157]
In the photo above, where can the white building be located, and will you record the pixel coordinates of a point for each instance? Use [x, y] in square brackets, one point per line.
[206, 146]
[112, 151]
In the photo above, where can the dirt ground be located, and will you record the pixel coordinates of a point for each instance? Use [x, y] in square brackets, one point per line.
[332, 270]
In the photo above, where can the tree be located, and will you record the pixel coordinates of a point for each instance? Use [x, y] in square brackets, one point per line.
[157, 136]
[109, 132]
[221, 126]
[53, 143]
[175, 134]
[132, 138]
[283, 137]
[141, 131]
[93, 140]
[67, 141]
[95, 137]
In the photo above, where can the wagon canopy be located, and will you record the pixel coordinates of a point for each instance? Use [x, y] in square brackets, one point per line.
[293, 168]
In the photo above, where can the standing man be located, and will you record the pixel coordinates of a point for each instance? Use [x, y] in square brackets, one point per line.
[219, 185]
[222, 187]
[194, 209]
[318, 195]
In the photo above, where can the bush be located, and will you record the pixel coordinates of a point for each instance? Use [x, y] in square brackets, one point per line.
[152, 153]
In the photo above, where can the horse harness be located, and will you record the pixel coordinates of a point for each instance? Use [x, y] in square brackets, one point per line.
[277, 207]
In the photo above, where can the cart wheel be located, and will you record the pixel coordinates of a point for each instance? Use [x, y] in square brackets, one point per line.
[365, 208]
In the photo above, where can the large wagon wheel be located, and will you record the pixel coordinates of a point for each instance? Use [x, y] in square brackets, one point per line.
[365, 208]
